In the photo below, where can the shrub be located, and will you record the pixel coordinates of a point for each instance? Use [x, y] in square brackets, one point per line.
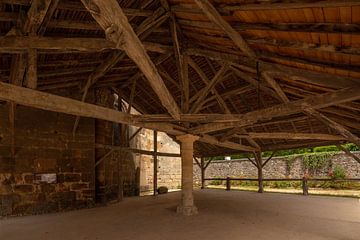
[338, 173]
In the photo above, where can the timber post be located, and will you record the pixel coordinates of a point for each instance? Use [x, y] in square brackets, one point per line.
[155, 164]
[259, 162]
[202, 167]
[228, 184]
[305, 186]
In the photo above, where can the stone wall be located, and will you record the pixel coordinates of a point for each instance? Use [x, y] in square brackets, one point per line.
[277, 167]
[44, 144]
[169, 168]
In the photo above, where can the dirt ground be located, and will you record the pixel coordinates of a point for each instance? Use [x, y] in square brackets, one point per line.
[222, 215]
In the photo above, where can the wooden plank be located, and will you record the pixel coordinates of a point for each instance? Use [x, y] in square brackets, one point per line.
[332, 124]
[294, 5]
[319, 101]
[211, 12]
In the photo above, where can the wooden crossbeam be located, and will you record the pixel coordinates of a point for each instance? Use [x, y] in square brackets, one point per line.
[269, 158]
[319, 101]
[204, 78]
[275, 86]
[211, 12]
[292, 5]
[50, 102]
[227, 144]
[291, 135]
[295, 74]
[278, 26]
[200, 100]
[9, 44]
[332, 124]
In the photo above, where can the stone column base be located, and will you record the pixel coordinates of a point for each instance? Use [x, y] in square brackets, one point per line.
[187, 211]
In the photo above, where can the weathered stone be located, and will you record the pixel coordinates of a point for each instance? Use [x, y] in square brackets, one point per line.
[162, 190]
[47, 188]
[72, 177]
[78, 186]
[25, 188]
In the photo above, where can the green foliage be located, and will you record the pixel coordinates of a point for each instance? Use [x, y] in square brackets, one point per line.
[216, 182]
[332, 148]
[290, 162]
[338, 173]
[316, 161]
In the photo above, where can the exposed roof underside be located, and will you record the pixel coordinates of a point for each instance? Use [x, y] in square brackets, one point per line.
[306, 48]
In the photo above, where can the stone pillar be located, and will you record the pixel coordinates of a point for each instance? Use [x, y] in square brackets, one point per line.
[186, 206]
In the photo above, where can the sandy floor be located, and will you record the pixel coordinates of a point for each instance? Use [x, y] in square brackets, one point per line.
[223, 215]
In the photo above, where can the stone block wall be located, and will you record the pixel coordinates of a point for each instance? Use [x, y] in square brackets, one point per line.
[44, 144]
[169, 168]
[277, 167]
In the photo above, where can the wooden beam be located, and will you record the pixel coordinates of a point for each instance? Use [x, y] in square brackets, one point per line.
[211, 12]
[332, 124]
[50, 102]
[269, 158]
[275, 86]
[276, 5]
[136, 151]
[31, 73]
[227, 144]
[200, 100]
[346, 28]
[204, 78]
[112, 19]
[319, 101]
[135, 133]
[9, 44]
[295, 74]
[155, 176]
[292, 136]
[348, 152]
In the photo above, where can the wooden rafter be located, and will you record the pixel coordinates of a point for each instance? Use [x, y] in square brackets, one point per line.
[319, 101]
[291, 135]
[112, 19]
[211, 12]
[19, 44]
[209, 87]
[334, 125]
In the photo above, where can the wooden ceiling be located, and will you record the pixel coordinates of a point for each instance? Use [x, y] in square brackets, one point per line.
[246, 75]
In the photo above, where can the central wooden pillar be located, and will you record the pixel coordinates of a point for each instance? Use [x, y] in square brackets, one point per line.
[186, 206]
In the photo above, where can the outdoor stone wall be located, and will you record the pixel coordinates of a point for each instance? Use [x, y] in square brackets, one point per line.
[44, 144]
[169, 168]
[277, 167]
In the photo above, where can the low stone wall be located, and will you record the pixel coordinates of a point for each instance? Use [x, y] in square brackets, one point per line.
[277, 167]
